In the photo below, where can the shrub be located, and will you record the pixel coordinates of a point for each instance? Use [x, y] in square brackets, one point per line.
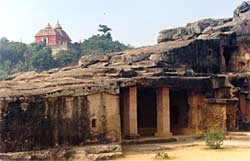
[214, 139]
[162, 156]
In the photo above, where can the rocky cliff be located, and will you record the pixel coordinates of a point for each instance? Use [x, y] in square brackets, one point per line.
[198, 50]
[209, 57]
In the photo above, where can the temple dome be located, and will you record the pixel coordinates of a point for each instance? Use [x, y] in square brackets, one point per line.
[47, 31]
[50, 31]
[58, 26]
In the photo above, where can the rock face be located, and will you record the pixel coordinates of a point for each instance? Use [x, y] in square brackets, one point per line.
[191, 30]
[87, 153]
[201, 71]
[243, 8]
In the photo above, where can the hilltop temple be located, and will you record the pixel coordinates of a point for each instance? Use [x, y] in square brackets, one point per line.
[56, 38]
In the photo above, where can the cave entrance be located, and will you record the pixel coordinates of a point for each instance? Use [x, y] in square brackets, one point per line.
[227, 55]
[146, 111]
[227, 52]
[179, 110]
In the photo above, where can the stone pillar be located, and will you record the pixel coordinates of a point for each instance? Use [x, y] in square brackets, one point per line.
[163, 113]
[1, 107]
[112, 117]
[243, 106]
[130, 113]
[2, 146]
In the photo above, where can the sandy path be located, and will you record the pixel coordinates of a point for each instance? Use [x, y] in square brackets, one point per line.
[232, 151]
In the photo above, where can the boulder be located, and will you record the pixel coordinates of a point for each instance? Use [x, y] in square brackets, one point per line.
[243, 8]
[190, 30]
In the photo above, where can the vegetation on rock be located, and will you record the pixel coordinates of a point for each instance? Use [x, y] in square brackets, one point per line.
[102, 43]
[19, 57]
[214, 139]
[162, 156]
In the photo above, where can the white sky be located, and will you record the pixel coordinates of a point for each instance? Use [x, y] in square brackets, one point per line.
[136, 22]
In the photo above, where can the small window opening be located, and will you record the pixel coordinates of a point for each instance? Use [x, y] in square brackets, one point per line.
[210, 52]
[93, 123]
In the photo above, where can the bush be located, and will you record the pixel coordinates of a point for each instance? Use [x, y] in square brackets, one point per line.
[214, 139]
[162, 156]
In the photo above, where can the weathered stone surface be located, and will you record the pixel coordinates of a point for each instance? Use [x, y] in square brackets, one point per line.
[59, 121]
[104, 156]
[103, 149]
[163, 60]
[87, 153]
[238, 25]
[209, 60]
[243, 8]
[191, 30]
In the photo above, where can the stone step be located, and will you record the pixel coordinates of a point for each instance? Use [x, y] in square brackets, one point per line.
[97, 152]
[95, 157]
[78, 157]
[243, 136]
[238, 134]
[147, 131]
[149, 141]
[104, 156]
[155, 140]
[244, 126]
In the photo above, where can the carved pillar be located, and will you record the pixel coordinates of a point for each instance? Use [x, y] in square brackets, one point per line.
[163, 113]
[51, 103]
[2, 105]
[130, 113]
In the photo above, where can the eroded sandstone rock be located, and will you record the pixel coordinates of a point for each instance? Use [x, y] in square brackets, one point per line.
[203, 67]
[243, 8]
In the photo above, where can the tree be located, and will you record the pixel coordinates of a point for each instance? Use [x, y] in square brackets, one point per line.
[19, 57]
[4, 40]
[65, 58]
[5, 69]
[104, 29]
[11, 57]
[42, 59]
[99, 44]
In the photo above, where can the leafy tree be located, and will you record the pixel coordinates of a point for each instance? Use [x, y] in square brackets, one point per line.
[104, 29]
[102, 43]
[5, 69]
[11, 57]
[42, 59]
[4, 40]
[20, 57]
[6, 66]
[65, 58]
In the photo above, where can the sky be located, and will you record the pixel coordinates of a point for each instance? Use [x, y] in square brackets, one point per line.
[134, 22]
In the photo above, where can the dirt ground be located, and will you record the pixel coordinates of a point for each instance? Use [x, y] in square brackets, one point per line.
[195, 151]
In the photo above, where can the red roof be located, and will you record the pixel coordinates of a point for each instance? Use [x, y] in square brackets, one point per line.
[50, 31]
